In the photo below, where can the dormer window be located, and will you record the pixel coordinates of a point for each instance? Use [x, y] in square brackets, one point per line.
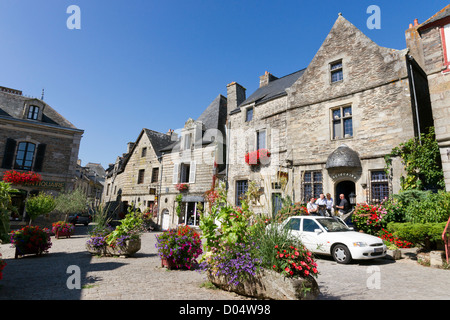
[33, 112]
[337, 73]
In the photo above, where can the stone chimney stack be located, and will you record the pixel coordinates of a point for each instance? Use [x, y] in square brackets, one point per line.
[235, 96]
[414, 43]
[265, 79]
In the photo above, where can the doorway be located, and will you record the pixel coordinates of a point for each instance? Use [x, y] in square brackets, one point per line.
[345, 187]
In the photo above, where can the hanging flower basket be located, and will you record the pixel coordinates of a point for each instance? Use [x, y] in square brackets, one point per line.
[257, 157]
[182, 187]
[16, 177]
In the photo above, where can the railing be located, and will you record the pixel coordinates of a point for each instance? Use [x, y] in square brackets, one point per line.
[446, 238]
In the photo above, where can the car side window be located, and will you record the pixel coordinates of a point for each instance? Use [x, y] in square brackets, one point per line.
[293, 224]
[309, 225]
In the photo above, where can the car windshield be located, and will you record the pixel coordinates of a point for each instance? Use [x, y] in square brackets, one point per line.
[333, 225]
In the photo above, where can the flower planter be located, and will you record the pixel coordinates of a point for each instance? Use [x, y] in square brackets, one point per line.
[66, 234]
[97, 251]
[27, 251]
[131, 247]
[168, 263]
[268, 284]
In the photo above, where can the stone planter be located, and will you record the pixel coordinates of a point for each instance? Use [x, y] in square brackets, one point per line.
[271, 285]
[131, 247]
[66, 234]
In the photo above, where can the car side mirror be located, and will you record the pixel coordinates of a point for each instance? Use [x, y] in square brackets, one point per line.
[318, 231]
[351, 228]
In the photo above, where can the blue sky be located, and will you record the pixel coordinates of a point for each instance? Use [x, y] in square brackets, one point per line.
[153, 64]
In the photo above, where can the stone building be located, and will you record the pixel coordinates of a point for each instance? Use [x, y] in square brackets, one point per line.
[135, 178]
[35, 137]
[90, 180]
[429, 45]
[327, 127]
[192, 161]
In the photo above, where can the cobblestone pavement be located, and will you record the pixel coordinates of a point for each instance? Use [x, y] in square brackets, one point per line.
[141, 277]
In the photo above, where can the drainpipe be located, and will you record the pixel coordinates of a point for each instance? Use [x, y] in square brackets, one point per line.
[411, 71]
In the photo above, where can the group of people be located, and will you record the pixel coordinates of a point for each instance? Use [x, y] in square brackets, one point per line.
[324, 206]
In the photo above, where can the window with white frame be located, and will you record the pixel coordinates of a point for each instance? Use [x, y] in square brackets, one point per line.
[342, 122]
[184, 172]
[33, 112]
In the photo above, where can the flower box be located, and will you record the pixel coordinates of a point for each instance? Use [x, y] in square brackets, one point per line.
[15, 177]
[63, 229]
[257, 157]
[182, 187]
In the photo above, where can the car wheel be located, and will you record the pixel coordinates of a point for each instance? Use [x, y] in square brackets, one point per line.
[341, 254]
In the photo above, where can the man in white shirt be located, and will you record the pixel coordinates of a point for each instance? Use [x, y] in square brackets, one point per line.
[322, 205]
[311, 207]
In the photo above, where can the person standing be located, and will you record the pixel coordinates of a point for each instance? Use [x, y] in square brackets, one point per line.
[343, 205]
[329, 200]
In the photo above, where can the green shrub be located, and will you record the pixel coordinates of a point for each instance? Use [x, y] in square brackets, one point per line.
[433, 208]
[425, 235]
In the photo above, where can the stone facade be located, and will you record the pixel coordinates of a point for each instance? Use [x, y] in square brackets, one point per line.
[302, 131]
[52, 143]
[429, 44]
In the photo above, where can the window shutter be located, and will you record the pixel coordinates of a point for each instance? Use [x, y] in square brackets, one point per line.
[193, 169]
[176, 167]
[40, 153]
[8, 156]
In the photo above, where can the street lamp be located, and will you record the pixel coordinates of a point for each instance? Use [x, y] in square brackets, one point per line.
[352, 198]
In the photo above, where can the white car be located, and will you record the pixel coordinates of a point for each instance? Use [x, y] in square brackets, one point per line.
[331, 236]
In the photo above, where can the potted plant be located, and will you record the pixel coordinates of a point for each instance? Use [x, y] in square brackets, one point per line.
[124, 240]
[15, 177]
[63, 229]
[31, 240]
[41, 204]
[182, 187]
[257, 157]
[2, 266]
[179, 248]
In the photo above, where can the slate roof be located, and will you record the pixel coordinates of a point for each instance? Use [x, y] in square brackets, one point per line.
[13, 107]
[214, 117]
[275, 88]
[438, 16]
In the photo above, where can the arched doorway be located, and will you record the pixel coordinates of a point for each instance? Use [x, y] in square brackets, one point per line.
[346, 187]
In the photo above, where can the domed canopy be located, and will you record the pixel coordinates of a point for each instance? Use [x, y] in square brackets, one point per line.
[343, 157]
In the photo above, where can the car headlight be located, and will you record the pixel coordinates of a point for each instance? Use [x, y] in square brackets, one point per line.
[359, 244]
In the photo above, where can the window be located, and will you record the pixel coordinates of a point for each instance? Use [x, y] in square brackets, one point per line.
[144, 152]
[379, 186]
[249, 115]
[337, 74]
[309, 225]
[25, 156]
[33, 112]
[185, 171]
[312, 185]
[261, 139]
[241, 190]
[187, 141]
[141, 175]
[445, 33]
[342, 122]
[293, 224]
[155, 175]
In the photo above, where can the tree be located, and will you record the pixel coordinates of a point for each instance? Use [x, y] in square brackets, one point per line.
[71, 202]
[39, 205]
[5, 209]
[422, 161]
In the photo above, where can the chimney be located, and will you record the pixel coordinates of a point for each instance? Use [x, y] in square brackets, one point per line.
[173, 136]
[414, 43]
[235, 96]
[265, 79]
[416, 22]
[130, 146]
